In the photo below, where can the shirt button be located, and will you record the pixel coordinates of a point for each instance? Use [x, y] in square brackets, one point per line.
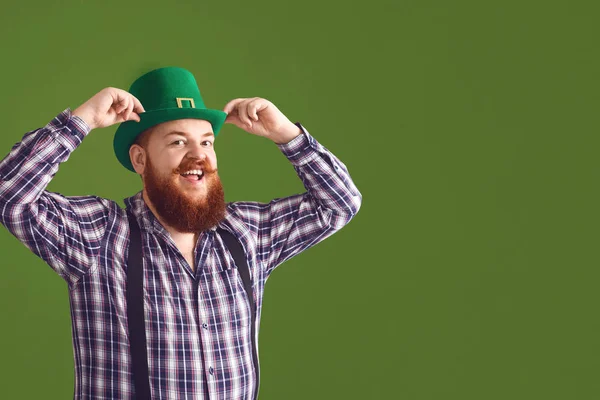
[211, 370]
[205, 325]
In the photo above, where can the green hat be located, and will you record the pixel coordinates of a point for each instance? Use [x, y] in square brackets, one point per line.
[167, 94]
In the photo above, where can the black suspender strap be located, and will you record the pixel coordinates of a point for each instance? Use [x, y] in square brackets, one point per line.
[236, 250]
[135, 311]
[135, 305]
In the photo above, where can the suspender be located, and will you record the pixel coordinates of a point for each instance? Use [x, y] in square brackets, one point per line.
[135, 312]
[135, 305]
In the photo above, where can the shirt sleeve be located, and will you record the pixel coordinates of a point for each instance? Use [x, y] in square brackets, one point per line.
[63, 231]
[284, 227]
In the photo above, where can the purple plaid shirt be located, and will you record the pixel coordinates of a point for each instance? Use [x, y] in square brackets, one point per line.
[197, 324]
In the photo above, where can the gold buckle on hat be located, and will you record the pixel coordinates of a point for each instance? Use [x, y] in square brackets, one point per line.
[180, 99]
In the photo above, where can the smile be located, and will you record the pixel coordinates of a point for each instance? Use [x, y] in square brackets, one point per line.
[193, 179]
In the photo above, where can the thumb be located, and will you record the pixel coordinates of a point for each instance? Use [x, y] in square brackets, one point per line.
[233, 119]
[133, 116]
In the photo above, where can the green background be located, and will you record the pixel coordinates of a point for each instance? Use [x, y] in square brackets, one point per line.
[470, 128]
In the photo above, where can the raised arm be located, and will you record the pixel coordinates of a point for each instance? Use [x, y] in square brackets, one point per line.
[63, 231]
[287, 226]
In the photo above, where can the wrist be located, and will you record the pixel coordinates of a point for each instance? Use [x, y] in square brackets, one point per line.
[86, 117]
[287, 134]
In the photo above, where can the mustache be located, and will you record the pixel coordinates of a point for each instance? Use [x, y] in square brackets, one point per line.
[204, 166]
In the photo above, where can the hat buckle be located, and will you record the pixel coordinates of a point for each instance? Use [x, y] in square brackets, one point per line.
[180, 99]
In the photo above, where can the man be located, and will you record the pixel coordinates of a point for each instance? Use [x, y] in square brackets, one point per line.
[197, 312]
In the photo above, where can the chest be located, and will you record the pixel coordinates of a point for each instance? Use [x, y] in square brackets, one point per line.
[187, 251]
[189, 257]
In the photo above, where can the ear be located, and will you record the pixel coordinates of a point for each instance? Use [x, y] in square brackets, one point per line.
[138, 155]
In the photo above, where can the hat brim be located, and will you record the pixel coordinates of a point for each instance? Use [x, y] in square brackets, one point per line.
[128, 131]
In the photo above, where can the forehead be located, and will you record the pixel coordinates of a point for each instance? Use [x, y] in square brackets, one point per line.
[188, 127]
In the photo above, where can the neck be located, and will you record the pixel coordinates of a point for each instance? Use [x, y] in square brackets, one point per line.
[176, 235]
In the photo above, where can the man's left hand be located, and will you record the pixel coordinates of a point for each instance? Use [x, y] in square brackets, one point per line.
[260, 117]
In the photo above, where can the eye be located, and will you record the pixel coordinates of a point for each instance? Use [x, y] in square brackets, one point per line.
[178, 140]
[207, 141]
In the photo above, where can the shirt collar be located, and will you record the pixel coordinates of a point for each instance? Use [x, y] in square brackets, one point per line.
[145, 218]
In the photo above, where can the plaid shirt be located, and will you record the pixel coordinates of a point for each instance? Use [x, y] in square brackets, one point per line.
[197, 324]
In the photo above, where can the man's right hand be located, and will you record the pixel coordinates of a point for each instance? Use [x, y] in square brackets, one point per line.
[108, 107]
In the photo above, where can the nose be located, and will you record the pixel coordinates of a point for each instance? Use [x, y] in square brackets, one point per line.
[197, 152]
[198, 156]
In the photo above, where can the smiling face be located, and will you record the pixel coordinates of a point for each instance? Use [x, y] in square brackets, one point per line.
[178, 165]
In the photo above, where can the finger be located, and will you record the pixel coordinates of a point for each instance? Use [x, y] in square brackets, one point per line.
[232, 115]
[138, 107]
[120, 105]
[263, 104]
[124, 105]
[255, 106]
[251, 110]
[134, 117]
[129, 109]
[232, 105]
[123, 112]
[243, 112]
[119, 100]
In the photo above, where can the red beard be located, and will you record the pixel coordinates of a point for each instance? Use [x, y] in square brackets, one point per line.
[180, 210]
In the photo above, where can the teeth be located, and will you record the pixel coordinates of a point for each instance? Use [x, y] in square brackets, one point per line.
[193, 172]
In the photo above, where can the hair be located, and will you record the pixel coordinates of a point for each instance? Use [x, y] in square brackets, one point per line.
[143, 138]
[142, 141]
